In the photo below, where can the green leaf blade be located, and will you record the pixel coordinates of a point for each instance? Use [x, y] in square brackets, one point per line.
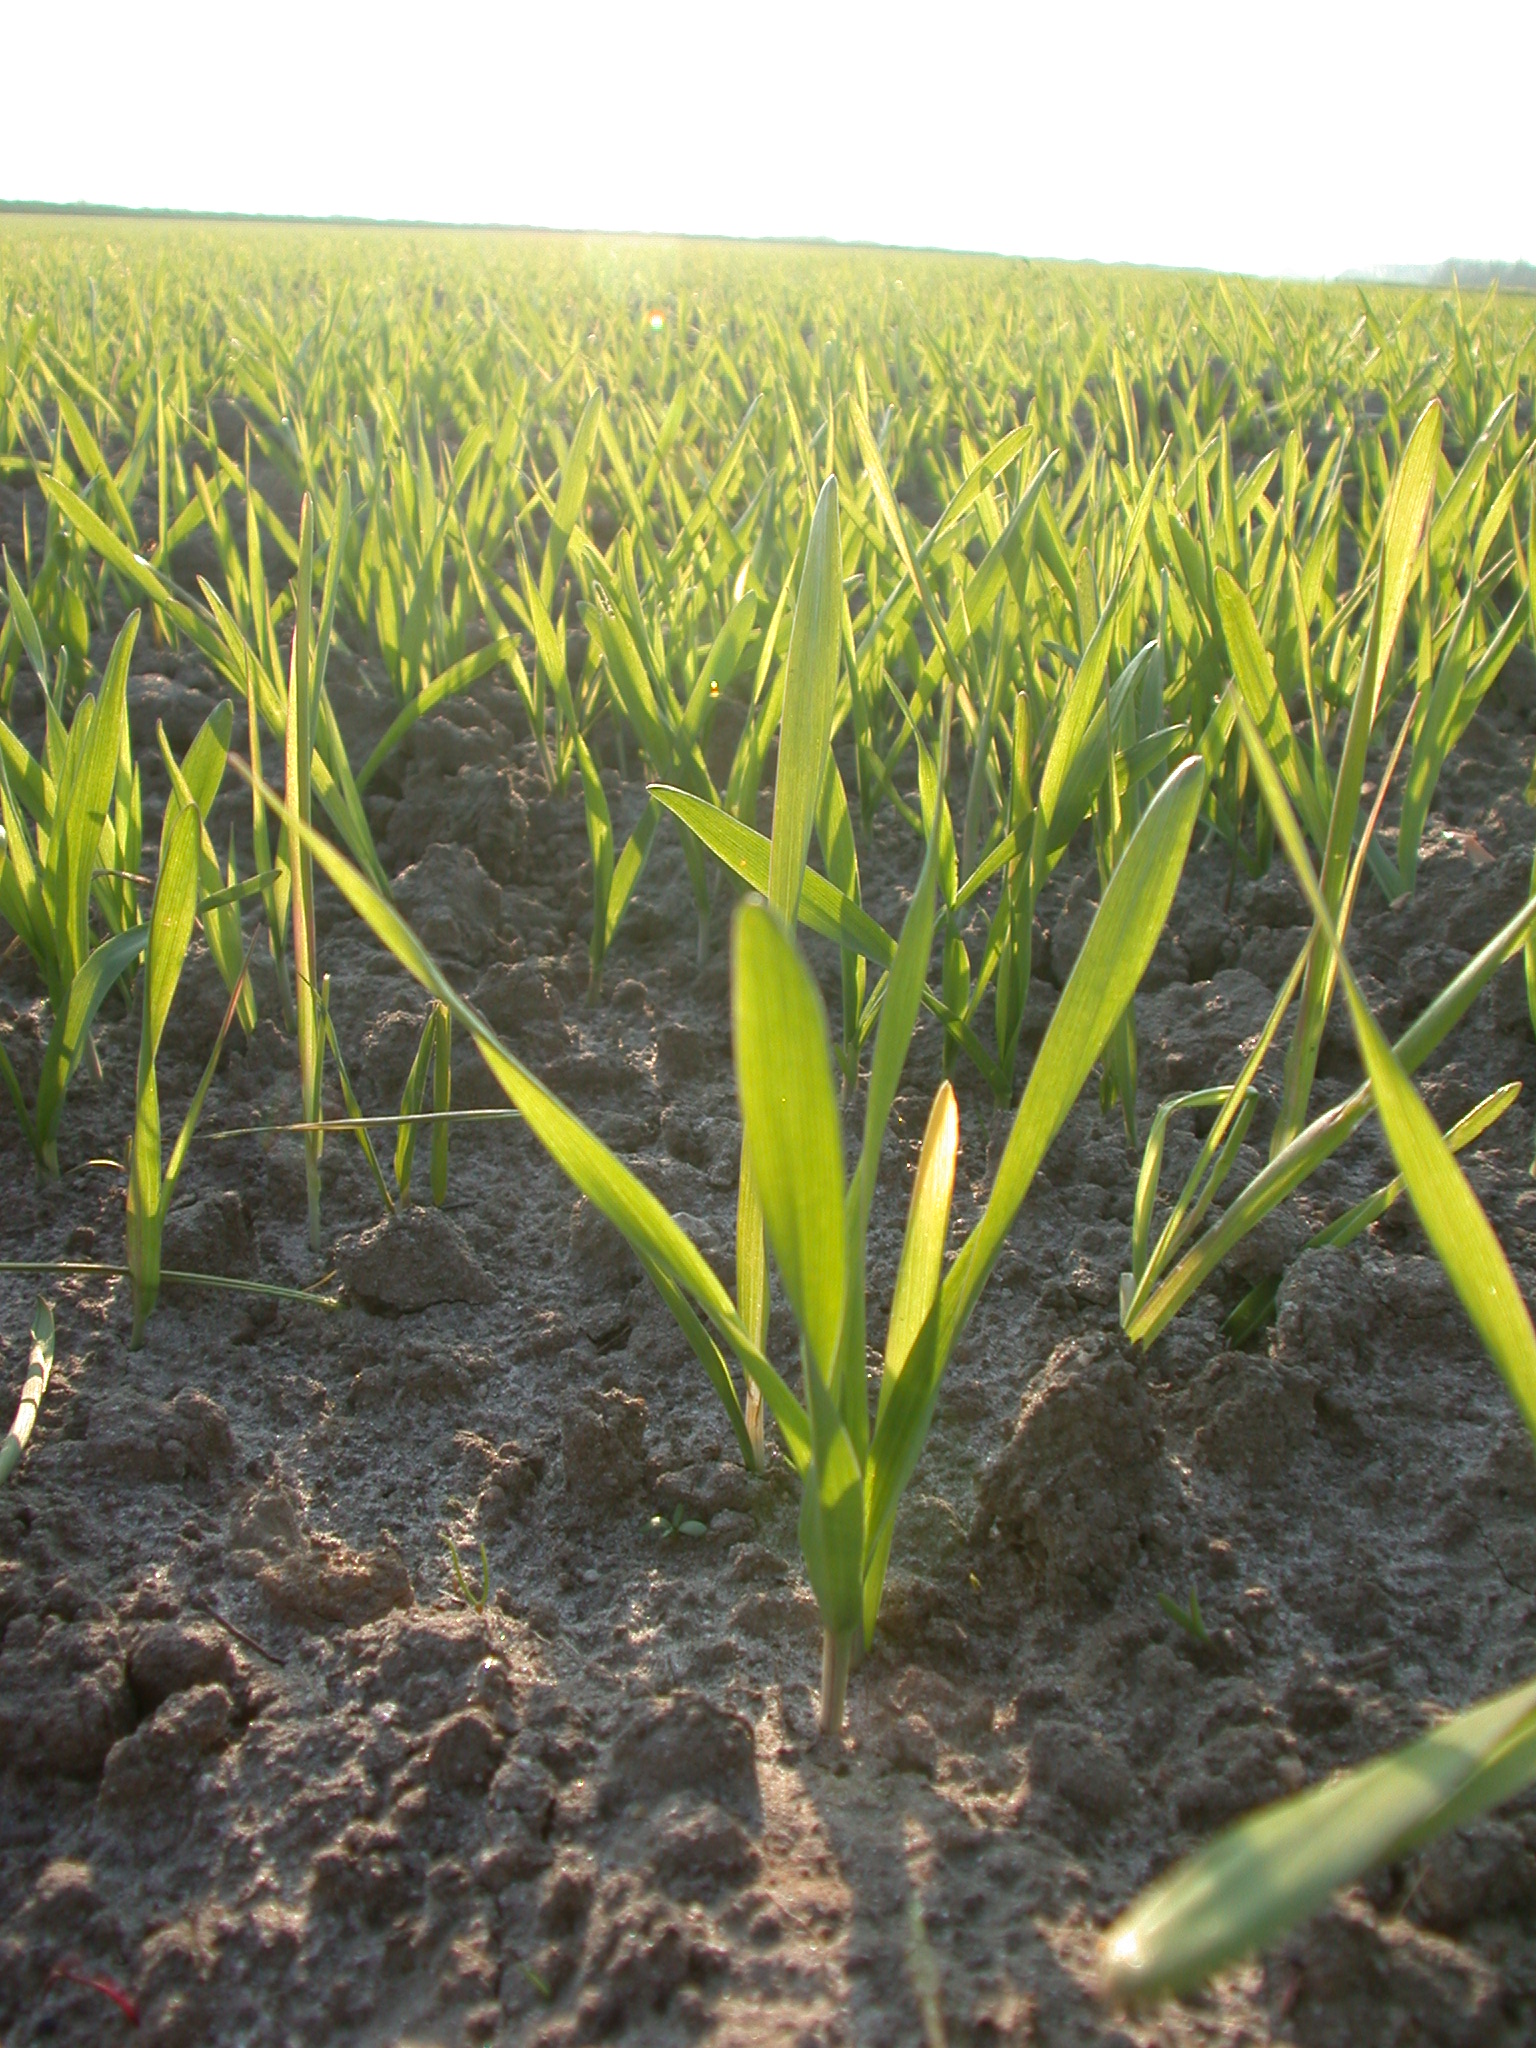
[792, 1132]
[1266, 1873]
[815, 642]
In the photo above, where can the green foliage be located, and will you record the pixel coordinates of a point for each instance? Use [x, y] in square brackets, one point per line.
[1072, 505]
[476, 1598]
[1265, 1873]
[852, 1480]
[1326, 800]
[1010, 560]
[151, 1191]
[48, 878]
[170, 933]
[432, 1063]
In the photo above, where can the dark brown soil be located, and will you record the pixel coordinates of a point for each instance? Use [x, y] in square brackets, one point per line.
[263, 1767]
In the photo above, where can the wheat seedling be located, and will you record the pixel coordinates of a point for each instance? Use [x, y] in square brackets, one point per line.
[1269, 1871]
[34, 1387]
[47, 879]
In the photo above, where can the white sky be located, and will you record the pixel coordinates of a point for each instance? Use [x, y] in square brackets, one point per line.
[1302, 136]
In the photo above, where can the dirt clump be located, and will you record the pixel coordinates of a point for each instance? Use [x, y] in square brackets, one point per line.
[314, 1580]
[409, 1261]
[453, 905]
[602, 1448]
[64, 1697]
[1077, 1487]
[685, 1743]
[211, 1234]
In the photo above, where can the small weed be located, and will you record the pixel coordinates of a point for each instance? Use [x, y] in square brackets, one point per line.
[678, 1524]
[1188, 1618]
[540, 1984]
[477, 1601]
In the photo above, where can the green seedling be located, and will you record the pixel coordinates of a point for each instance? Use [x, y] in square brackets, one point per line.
[221, 1283]
[47, 884]
[1150, 1304]
[277, 891]
[114, 887]
[477, 1599]
[195, 784]
[669, 651]
[1271, 1870]
[151, 1191]
[433, 1062]
[804, 758]
[541, 1985]
[1189, 1618]
[234, 653]
[1257, 1306]
[1470, 664]
[305, 700]
[395, 578]
[547, 695]
[671, 729]
[354, 1120]
[298, 758]
[1280, 1865]
[1405, 531]
[1166, 1272]
[35, 1386]
[678, 1523]
[853, 1477]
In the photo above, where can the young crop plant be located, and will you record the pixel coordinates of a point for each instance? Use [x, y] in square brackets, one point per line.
[1096, 752]
[673, 628]
[394, 572]
[1168, 1267]
[433, 1062]
[1267, 1872]
[195, 783]
[242, 648]
[50, 877]
[114, 888]
[1257, 1306]
[410, 531]
[815, 1219]
[311, 739]
[151, 1183]
[670, 718]
[306, 677]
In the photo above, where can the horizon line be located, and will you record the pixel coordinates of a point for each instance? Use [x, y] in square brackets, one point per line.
[1407, 276]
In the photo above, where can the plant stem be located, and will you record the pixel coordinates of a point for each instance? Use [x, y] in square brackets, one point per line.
[836, 1657]
[754, 1420]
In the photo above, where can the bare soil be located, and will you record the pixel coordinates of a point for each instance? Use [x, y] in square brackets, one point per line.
[265, 1770]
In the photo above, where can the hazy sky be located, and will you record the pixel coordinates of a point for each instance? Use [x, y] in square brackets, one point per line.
[1307, 137]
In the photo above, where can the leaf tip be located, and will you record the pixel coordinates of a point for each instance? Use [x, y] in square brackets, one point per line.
[1122, 1962]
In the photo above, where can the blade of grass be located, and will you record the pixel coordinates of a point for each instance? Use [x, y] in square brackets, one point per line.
[34, 1387]
[1266, 1873]
[1449, 1211]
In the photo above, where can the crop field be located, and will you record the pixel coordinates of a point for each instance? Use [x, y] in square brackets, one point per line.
[768, 1211]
